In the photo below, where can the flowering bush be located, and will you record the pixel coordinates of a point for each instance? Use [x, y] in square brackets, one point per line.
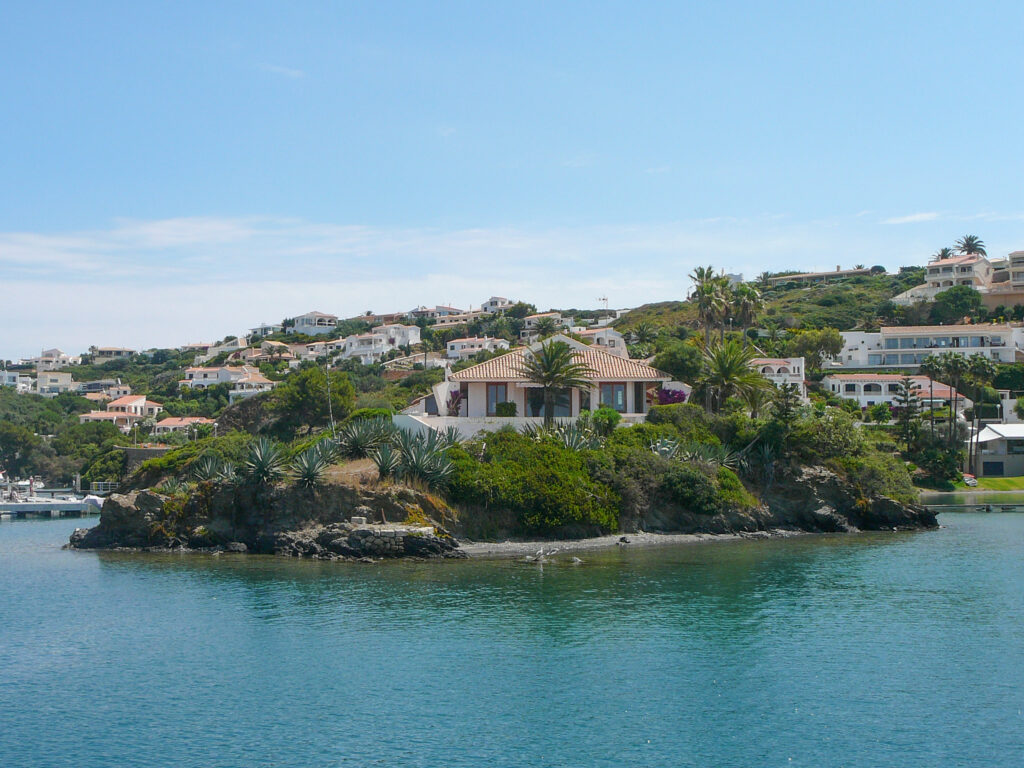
[671, 396]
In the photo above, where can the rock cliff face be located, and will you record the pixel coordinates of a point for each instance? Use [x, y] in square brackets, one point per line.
[812, 499]
[349, 522]
[329, 523]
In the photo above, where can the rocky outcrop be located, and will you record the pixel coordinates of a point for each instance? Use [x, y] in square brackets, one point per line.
[811, 499]
[336, 522]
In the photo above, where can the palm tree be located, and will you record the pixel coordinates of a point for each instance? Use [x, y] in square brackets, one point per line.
[943, 253]
[545, 327]
[555, 366]
[755, 399]
[955, 368]
[727, 372]
[724, 291]
[969, 245]
[763, 278]
[746, 302]
[645, 333]
[709, 300]
[931, 367]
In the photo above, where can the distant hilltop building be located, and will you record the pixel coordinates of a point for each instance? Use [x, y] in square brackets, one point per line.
[811, 278]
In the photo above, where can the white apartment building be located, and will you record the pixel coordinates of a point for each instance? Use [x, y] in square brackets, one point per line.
[433, 313]
[230, 346]
[607, 339]
[265, 329]
[942, 274]
[460, 349]
[872, 388]
[894, 346]
[252, 382]
[781, 371]
[111, 353]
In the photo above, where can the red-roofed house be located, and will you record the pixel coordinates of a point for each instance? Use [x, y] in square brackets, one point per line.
[179, 424]
[625, 385]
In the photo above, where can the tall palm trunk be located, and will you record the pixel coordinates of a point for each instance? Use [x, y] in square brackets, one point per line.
[931, 404]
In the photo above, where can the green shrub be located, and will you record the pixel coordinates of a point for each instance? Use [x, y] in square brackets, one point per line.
[732, 491]
[506, 409]
[877, 473]
[605, 420]
[545, 484]
[232, 447]
[691, 489]
[371, 413]
[689, 420]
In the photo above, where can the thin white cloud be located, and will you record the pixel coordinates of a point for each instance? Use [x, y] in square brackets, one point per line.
[168, 282]
[277, 69]
[913, 218]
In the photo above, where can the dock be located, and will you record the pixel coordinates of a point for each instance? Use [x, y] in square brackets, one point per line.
[19, 510]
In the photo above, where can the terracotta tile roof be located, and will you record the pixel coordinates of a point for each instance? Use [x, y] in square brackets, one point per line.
[770, 361]
[965, 259]
[606, 367]
[542, 314]
[127, 400]
[183, 421]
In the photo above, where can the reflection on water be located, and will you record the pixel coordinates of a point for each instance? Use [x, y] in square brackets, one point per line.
[880, 649]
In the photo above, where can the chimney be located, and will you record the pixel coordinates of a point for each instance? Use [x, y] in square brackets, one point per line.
[838, 269]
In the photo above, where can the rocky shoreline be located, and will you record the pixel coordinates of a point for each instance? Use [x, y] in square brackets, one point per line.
[373, 523]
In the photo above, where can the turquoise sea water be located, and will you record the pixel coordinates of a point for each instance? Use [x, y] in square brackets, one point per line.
[873, 650]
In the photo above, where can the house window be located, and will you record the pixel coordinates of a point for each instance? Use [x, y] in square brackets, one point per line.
[535, 402]
[613, 395]
[496, 393]
[851, 388]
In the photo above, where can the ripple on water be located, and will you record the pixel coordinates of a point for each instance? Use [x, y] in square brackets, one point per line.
[887, 649]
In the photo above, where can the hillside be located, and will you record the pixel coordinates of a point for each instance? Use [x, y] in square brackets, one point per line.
[855, 303]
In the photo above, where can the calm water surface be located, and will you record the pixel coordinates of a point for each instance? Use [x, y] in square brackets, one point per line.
[874, 650]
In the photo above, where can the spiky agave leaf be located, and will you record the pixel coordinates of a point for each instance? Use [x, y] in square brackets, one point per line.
[207, 468]
[665, 447]
[309, 467]
[265, 463]
[387, 459]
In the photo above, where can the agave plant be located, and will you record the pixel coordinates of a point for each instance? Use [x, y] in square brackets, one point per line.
[706, 453]
[665, 447]
[449, 437]
[576, 437]
[426, 464]
[358, 438]
[308, 467]
[171, 486]
[207, 468]
[387, 459]
[265, 463]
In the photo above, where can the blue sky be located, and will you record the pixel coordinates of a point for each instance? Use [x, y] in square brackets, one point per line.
[174, 172]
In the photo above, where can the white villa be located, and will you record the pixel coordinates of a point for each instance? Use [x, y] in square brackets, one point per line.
[230, 346]
[459, 349]
[626, 385]
[496, 304]
[370, 347]
[315, 323]
[124, 412]
[894, 346]
[781, 371]
[812, 278]
[19, 381]
[607, 339]
[433, 313]
[200, 378]
[251, 383]
[973, 270]
[871, 388]
[52, 360]
[265, 329]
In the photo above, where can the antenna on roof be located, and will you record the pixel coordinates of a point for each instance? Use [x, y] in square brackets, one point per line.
[603, 299]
